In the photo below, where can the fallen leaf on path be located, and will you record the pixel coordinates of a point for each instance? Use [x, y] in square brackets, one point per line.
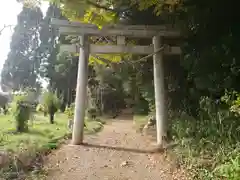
[124, 163]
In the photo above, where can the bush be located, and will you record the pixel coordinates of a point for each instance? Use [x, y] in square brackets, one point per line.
[210, 146]
[4, 102]
[21, 112]
[229, 170]
[40, 108]
[92, 113]
[69, 111]
[51, 104]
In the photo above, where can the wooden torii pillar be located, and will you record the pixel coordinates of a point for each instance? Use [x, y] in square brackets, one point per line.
[86, 30]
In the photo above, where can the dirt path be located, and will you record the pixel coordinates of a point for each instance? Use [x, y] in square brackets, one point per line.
[116, 153]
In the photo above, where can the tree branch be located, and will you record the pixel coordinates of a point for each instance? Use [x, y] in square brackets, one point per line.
[99, 6]
[117, 10]
[4, 27]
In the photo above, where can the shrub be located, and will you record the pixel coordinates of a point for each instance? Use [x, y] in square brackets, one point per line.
[51, 104]
[229, 170]
[4, 102]
[40, 108]
[92, 113]
[69, 111]
[210, 145]
[21, 112]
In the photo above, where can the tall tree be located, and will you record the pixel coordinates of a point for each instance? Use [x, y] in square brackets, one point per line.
[22, 64]
[210, 42]
[49, 42]
[56, 66]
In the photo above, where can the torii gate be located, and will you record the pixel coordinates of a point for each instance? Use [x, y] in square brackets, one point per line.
[121, 31]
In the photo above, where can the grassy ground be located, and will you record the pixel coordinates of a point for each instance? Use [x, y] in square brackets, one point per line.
[208, 149]
[40, 132]
[23, 148]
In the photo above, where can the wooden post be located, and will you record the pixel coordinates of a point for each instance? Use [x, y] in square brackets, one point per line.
[159, 91]
[81, 92]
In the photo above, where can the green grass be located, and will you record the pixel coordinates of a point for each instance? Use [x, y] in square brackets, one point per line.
[93, 126]
[209, 149]
[40, 139]
[40, 133]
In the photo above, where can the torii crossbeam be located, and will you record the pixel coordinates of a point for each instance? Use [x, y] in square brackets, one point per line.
[121, 31]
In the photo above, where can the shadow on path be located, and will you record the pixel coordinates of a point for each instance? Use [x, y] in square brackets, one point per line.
[101, 157]
[151, 151]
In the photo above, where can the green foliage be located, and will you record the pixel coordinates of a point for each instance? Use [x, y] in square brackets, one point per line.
[40, 108]
[229, 170]
[99, 17]
[209, 145]
[22, 64]
[147, 92]
[57, 67]
[232, 99]
[21, 112]
[209, 68]
[25, 147]
[51, 103]
[69, 111]
[92, 113]
[39, 140]
[106, 92]
[4, 102]
[141, 106]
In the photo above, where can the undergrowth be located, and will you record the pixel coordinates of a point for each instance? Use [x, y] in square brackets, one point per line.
[209, 146]
[29, 160]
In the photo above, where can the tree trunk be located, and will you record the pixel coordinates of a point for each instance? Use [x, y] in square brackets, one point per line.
[51, 116]
[20, 127]
[68, 96]
[5, 110]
